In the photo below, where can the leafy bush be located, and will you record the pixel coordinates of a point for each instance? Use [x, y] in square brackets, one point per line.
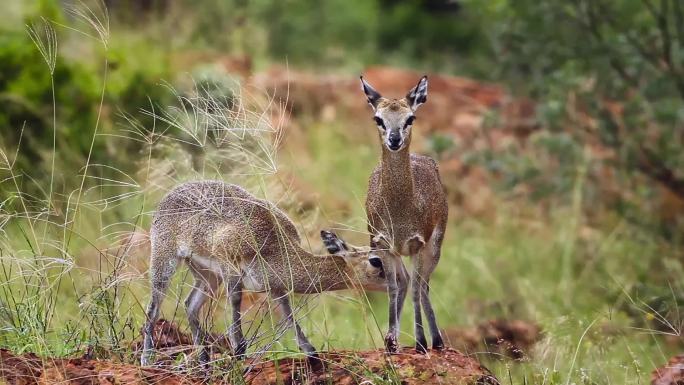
[617, 68]
[607, 77]
[26, 91]
[25, 88]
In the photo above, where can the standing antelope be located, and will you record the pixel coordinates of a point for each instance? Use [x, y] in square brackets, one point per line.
[407, 211]
[225, 234]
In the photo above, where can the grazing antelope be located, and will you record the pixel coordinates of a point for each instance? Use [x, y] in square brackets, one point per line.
[407, 211]
[225, 234]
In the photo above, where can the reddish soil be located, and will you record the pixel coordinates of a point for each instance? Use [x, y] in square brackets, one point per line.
[670, 374]
[341, 367]
[444, 367]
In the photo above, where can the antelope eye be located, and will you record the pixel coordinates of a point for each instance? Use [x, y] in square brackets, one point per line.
[409, 121]
[379, 122]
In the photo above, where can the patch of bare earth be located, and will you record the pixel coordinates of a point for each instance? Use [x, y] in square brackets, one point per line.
[671, 373]
[340, 367]
[443, 367]
[375, 366]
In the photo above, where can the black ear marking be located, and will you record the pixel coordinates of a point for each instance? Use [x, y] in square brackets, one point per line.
[332, 242]
[372, 95]
[418, 94]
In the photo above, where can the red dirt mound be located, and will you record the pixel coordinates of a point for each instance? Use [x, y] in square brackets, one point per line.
[342, 367]
[19, 369]
[409, 368]
[670, 374]
[28, 369]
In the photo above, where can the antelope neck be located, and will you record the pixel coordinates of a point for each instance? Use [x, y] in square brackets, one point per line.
[396, 175]
[327, 272]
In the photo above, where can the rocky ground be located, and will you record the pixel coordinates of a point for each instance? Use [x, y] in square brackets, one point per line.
[340, 367]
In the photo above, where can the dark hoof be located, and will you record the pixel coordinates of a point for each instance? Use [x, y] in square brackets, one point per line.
[437, 343]
[391, 344]
[421, 347]
[315, 363]
[204, 359]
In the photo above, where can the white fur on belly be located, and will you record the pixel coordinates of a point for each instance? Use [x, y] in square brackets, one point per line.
[251, 280]
[207, 263]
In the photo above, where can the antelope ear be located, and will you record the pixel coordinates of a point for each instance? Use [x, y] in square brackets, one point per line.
[333, 243]
[418, 94]
[372, 95]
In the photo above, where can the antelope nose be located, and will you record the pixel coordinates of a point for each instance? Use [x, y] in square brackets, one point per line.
[394, 141]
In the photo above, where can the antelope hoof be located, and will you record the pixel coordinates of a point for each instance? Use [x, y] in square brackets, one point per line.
[145, 360]
[437, 343]
[204, 358]
[391, 344]
[315, 363]
[421, 346]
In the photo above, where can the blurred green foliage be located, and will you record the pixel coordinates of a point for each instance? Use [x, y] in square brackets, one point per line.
[439, 145]
[133, 74]
[339, 34]
[25, 90]
[606, 73]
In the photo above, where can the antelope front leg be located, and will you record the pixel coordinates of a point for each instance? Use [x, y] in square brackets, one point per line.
[162, 267]
[302, 341]
[396, 289]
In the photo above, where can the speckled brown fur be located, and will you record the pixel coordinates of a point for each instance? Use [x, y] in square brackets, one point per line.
[225, 234]
[407, 210]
